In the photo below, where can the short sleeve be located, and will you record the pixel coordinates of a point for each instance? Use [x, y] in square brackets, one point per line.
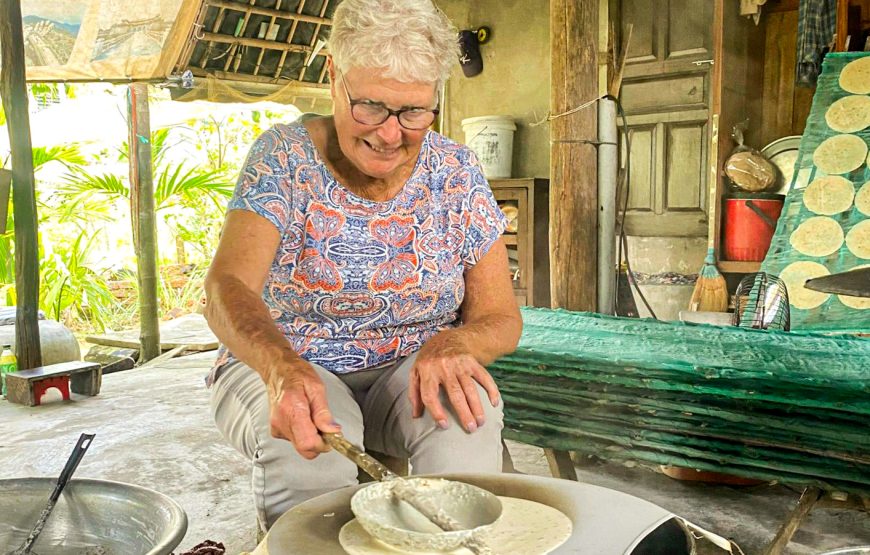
[264, 186]
[485, 220]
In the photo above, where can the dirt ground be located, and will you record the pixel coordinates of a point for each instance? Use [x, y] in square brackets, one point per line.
[153, 429]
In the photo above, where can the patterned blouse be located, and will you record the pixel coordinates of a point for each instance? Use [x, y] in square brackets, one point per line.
[356, 283]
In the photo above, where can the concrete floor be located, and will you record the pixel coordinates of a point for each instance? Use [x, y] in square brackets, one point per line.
[153, 429]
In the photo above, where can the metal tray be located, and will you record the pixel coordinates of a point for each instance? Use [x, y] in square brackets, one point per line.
[783, 153]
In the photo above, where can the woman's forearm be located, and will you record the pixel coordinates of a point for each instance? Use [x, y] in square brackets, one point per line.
[241, 321]
[486, 337]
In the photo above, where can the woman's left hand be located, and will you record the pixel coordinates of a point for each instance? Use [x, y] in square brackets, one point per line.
[445, 361]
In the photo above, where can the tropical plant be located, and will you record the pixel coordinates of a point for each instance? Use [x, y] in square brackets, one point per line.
[43, 92]
[172, 183]
[71, 289]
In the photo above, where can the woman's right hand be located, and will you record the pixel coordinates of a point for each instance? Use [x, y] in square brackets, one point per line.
[299, 411]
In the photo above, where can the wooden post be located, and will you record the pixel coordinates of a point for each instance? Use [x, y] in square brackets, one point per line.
[573, 163]
[144, 221]
[13, 89]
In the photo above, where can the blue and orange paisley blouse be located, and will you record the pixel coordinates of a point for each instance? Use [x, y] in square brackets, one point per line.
[356, 283]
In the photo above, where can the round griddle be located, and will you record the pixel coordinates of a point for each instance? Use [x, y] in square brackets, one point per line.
[606, 521]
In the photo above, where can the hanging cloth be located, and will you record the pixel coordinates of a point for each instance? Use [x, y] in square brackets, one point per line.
[817, 23]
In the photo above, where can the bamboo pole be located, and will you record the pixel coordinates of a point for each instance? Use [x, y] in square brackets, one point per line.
[13, 89]
[290, 36]
[235, 56]
[224, 4]
[268, 29]
[573, 163]
[144, 222]
[313, 41]
[259, 43]
[304, 87]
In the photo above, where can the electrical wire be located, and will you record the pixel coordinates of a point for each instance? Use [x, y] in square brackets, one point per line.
[622, 249]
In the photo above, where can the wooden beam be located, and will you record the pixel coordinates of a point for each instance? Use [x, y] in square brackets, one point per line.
[224, 4]
[268, 28]
[13, 89]
[842, 26]
[144, 221]
[290, 34]
[313, 42]
[260, 43]
[573, 164]
[234, 57]
[807, 501]
[319, 90]
[560, 463]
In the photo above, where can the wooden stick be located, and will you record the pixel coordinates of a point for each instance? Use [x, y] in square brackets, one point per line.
[259, 43]
[304, 88]
[168, 355]
[616, 81]
[268, 30]
[144, 220]
[214, 29]
[314, 39]
[270, 11]
[13, 89]
[290, 36]
[561, 465]
[805, 504]
[235, 56]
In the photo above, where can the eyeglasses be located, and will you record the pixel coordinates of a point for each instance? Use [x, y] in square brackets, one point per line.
[369, 112]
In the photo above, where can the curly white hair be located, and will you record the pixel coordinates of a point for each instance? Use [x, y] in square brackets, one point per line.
[410, 40]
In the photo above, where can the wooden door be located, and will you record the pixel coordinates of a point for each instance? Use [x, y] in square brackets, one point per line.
[666, 96]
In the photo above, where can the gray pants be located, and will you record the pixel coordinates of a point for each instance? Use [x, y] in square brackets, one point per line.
[372, 408]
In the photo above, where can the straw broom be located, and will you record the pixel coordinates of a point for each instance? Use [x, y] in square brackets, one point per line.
[711, 292]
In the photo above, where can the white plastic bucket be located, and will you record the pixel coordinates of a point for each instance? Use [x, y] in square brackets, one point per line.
[492, 139]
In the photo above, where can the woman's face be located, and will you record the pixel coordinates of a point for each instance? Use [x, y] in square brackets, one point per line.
[378, 150]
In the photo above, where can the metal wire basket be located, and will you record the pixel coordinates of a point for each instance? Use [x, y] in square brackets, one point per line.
[761, 302]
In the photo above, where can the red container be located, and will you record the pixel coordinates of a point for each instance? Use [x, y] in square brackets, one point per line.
[750, 220]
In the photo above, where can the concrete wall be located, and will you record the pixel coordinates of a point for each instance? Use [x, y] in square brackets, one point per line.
[516, 75]
[516, 81]
[663, 265]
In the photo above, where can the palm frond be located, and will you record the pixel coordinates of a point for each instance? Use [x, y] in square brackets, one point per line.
[68, 155]
[80, 181]
[176, 182]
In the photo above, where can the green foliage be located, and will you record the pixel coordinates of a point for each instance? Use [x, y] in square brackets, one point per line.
[180, 186]
[73, 216]
[43, 92]
[173, 185]
[69, 288]
[184, 298]
[68, 155]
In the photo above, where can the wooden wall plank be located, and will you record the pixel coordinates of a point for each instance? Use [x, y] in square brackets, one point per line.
[785, 107]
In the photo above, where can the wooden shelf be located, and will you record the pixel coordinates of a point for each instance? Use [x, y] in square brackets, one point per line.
[529, 246]
[738, 267]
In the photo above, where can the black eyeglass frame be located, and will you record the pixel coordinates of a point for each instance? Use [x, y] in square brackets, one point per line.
[389, 111]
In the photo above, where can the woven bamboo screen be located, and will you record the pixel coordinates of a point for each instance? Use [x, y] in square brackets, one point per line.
[265, 43]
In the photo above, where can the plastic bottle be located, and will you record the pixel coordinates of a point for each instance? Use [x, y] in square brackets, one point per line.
[8, 363]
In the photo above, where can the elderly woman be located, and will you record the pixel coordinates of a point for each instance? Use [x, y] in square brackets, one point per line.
[361, 284]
